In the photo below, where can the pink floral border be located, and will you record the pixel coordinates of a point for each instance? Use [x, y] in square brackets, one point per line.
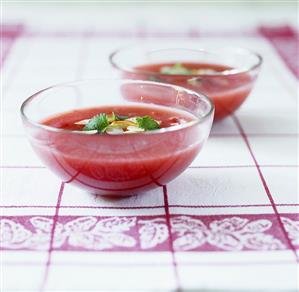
[149, 233]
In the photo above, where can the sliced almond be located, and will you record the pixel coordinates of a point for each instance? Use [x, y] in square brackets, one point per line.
[195, 81]
[134, 129]
[82, 122]
[205, 71]
[133, 119]
[114, 131]
[87, 132]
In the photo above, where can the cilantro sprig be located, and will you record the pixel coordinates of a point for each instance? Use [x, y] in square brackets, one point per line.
[147, 123]
[99, 122]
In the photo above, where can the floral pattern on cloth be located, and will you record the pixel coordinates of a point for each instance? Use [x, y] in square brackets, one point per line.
[233, 233]
[292, 228]
[226, 233]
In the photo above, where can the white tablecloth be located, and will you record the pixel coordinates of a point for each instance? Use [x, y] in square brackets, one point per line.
[230, 221]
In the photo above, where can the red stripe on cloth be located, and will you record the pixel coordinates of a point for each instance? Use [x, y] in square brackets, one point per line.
[267, 190]
[152, 264]
[138, 32]
[9, 34]
[167, 215]
[55, 219]
[147, 207]
[285, 40]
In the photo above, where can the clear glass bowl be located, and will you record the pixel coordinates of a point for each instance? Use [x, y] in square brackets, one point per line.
[227, 89]
[116, 164]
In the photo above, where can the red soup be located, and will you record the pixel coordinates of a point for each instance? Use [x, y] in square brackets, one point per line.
[119, 163]
[228, 91]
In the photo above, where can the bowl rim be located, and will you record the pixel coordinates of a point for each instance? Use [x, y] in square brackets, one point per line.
[199, 120]
[229, 72]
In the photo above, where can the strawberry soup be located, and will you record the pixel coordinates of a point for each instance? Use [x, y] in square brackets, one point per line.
[123, 147]
[225, 77]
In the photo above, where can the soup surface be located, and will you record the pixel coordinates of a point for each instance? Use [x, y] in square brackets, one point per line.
[110, 164]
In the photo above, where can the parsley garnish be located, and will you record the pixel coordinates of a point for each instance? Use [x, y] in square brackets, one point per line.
[147, 123]
[116, 124]
[98, 122]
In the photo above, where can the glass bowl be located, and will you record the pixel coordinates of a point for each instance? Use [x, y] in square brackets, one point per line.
[117, 165]
[228, 85]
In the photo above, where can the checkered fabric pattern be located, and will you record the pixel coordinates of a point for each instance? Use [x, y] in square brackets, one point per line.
[230, 221]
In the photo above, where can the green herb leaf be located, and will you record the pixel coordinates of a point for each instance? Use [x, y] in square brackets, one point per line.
[147, 123]
[176, 69]
[98, 122]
